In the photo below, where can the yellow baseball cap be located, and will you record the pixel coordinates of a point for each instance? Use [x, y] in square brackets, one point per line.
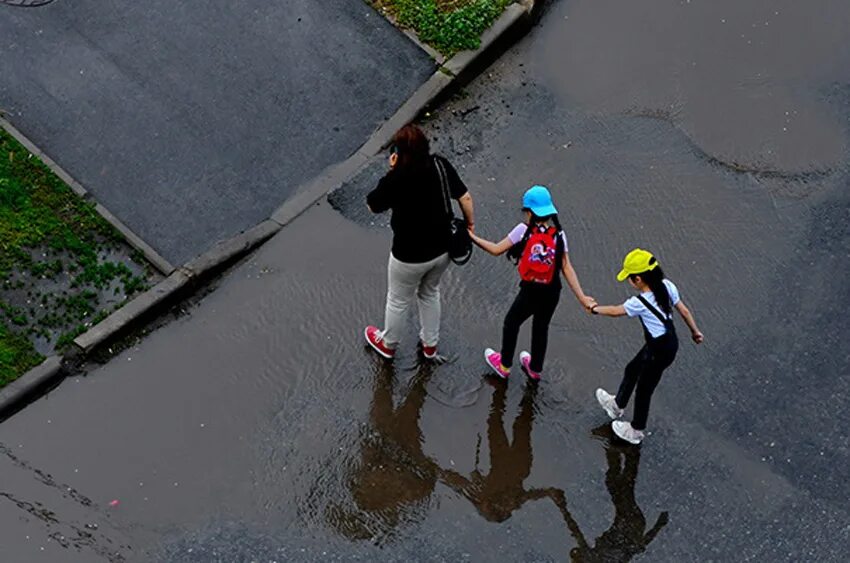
[636, 262]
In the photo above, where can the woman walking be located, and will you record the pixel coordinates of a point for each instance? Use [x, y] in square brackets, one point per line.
[421, 224]
[654, 307]
[539, 248]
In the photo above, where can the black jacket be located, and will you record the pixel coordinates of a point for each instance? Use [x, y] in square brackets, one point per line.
[419, 221]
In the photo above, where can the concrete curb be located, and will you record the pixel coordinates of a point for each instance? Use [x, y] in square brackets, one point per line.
[316, 189]
[451, 72]
[513, 15]
[183, 280]
[30, 385]
[145, 306]
[134, 240]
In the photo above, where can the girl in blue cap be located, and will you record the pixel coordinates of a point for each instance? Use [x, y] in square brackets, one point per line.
[539, 248]
[654, 306]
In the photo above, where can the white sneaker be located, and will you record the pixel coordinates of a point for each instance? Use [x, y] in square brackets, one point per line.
[625, 431]
[606, 400]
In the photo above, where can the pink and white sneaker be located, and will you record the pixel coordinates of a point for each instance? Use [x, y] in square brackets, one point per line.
[525, 362]
[494, 360]
[375, 338]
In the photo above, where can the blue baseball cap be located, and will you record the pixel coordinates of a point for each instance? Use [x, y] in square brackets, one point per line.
[539, 201]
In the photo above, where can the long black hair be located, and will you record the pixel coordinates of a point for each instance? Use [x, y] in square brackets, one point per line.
[654, 278]
[515, 252]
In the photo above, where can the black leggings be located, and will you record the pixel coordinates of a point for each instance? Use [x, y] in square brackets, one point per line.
[644, 371]
[540, 302]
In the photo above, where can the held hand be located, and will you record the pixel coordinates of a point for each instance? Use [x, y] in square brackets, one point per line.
[697, 337]
[587, 302]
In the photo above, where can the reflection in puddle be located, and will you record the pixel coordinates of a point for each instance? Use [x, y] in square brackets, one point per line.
[393, 482]
[500, 492]
[627, 535]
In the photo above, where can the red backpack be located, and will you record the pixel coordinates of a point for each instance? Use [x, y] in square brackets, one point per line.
[538, 263]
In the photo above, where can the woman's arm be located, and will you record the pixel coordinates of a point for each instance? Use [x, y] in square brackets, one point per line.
[572, 280]
[380, 199]
[494, 248]
[689, 320]
[608, 310]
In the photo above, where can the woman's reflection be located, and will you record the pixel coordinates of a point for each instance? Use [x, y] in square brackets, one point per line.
[394, 480]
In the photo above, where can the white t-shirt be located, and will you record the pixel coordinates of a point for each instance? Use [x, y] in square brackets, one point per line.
[518, 232]
[634, 308]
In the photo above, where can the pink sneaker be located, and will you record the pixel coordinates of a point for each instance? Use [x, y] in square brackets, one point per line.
[494, 360]
[375, 338]
[525, 362]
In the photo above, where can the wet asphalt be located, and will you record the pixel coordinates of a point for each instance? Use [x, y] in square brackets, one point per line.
[193, 121]
[258, 428]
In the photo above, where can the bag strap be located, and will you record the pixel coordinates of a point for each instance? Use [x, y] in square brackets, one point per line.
[444, 186]
[664, 320]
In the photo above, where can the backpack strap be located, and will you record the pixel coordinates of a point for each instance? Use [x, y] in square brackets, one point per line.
[664, 320]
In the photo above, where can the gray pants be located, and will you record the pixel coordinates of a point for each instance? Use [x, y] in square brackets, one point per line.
[408, 281]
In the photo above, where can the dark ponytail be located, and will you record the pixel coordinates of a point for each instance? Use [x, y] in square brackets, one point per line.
[514, 254]
[655, 280]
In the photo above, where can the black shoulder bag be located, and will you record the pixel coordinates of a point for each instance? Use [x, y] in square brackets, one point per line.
[460, 245]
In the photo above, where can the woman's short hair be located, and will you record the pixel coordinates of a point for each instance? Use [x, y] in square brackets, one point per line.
[412, 146]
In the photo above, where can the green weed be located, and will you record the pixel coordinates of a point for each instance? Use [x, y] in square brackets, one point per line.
[49, 235]
[17, 355]
[447, 26]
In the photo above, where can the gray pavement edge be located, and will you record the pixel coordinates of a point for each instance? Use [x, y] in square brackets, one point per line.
[180, 281]
[30, 385]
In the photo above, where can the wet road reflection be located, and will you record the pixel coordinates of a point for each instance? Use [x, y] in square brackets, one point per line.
[393, 483]
[627, 536]
[500, 492]
[395, 479]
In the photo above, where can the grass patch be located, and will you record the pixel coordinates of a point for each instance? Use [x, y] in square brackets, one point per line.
[447, 25]
[38, 210]
[62, 266]
[17, 356]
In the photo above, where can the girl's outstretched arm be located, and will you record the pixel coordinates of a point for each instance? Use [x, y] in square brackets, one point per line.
[608, 310]
[696, 335]
[494, 248]
[572, 280]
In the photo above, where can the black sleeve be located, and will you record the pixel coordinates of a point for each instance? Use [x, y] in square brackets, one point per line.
[456, 186]
[381, 198]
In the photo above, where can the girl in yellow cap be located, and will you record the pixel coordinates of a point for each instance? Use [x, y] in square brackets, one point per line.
[654, 306]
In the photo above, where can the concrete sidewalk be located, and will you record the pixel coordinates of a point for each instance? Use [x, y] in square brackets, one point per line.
[193, 121]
